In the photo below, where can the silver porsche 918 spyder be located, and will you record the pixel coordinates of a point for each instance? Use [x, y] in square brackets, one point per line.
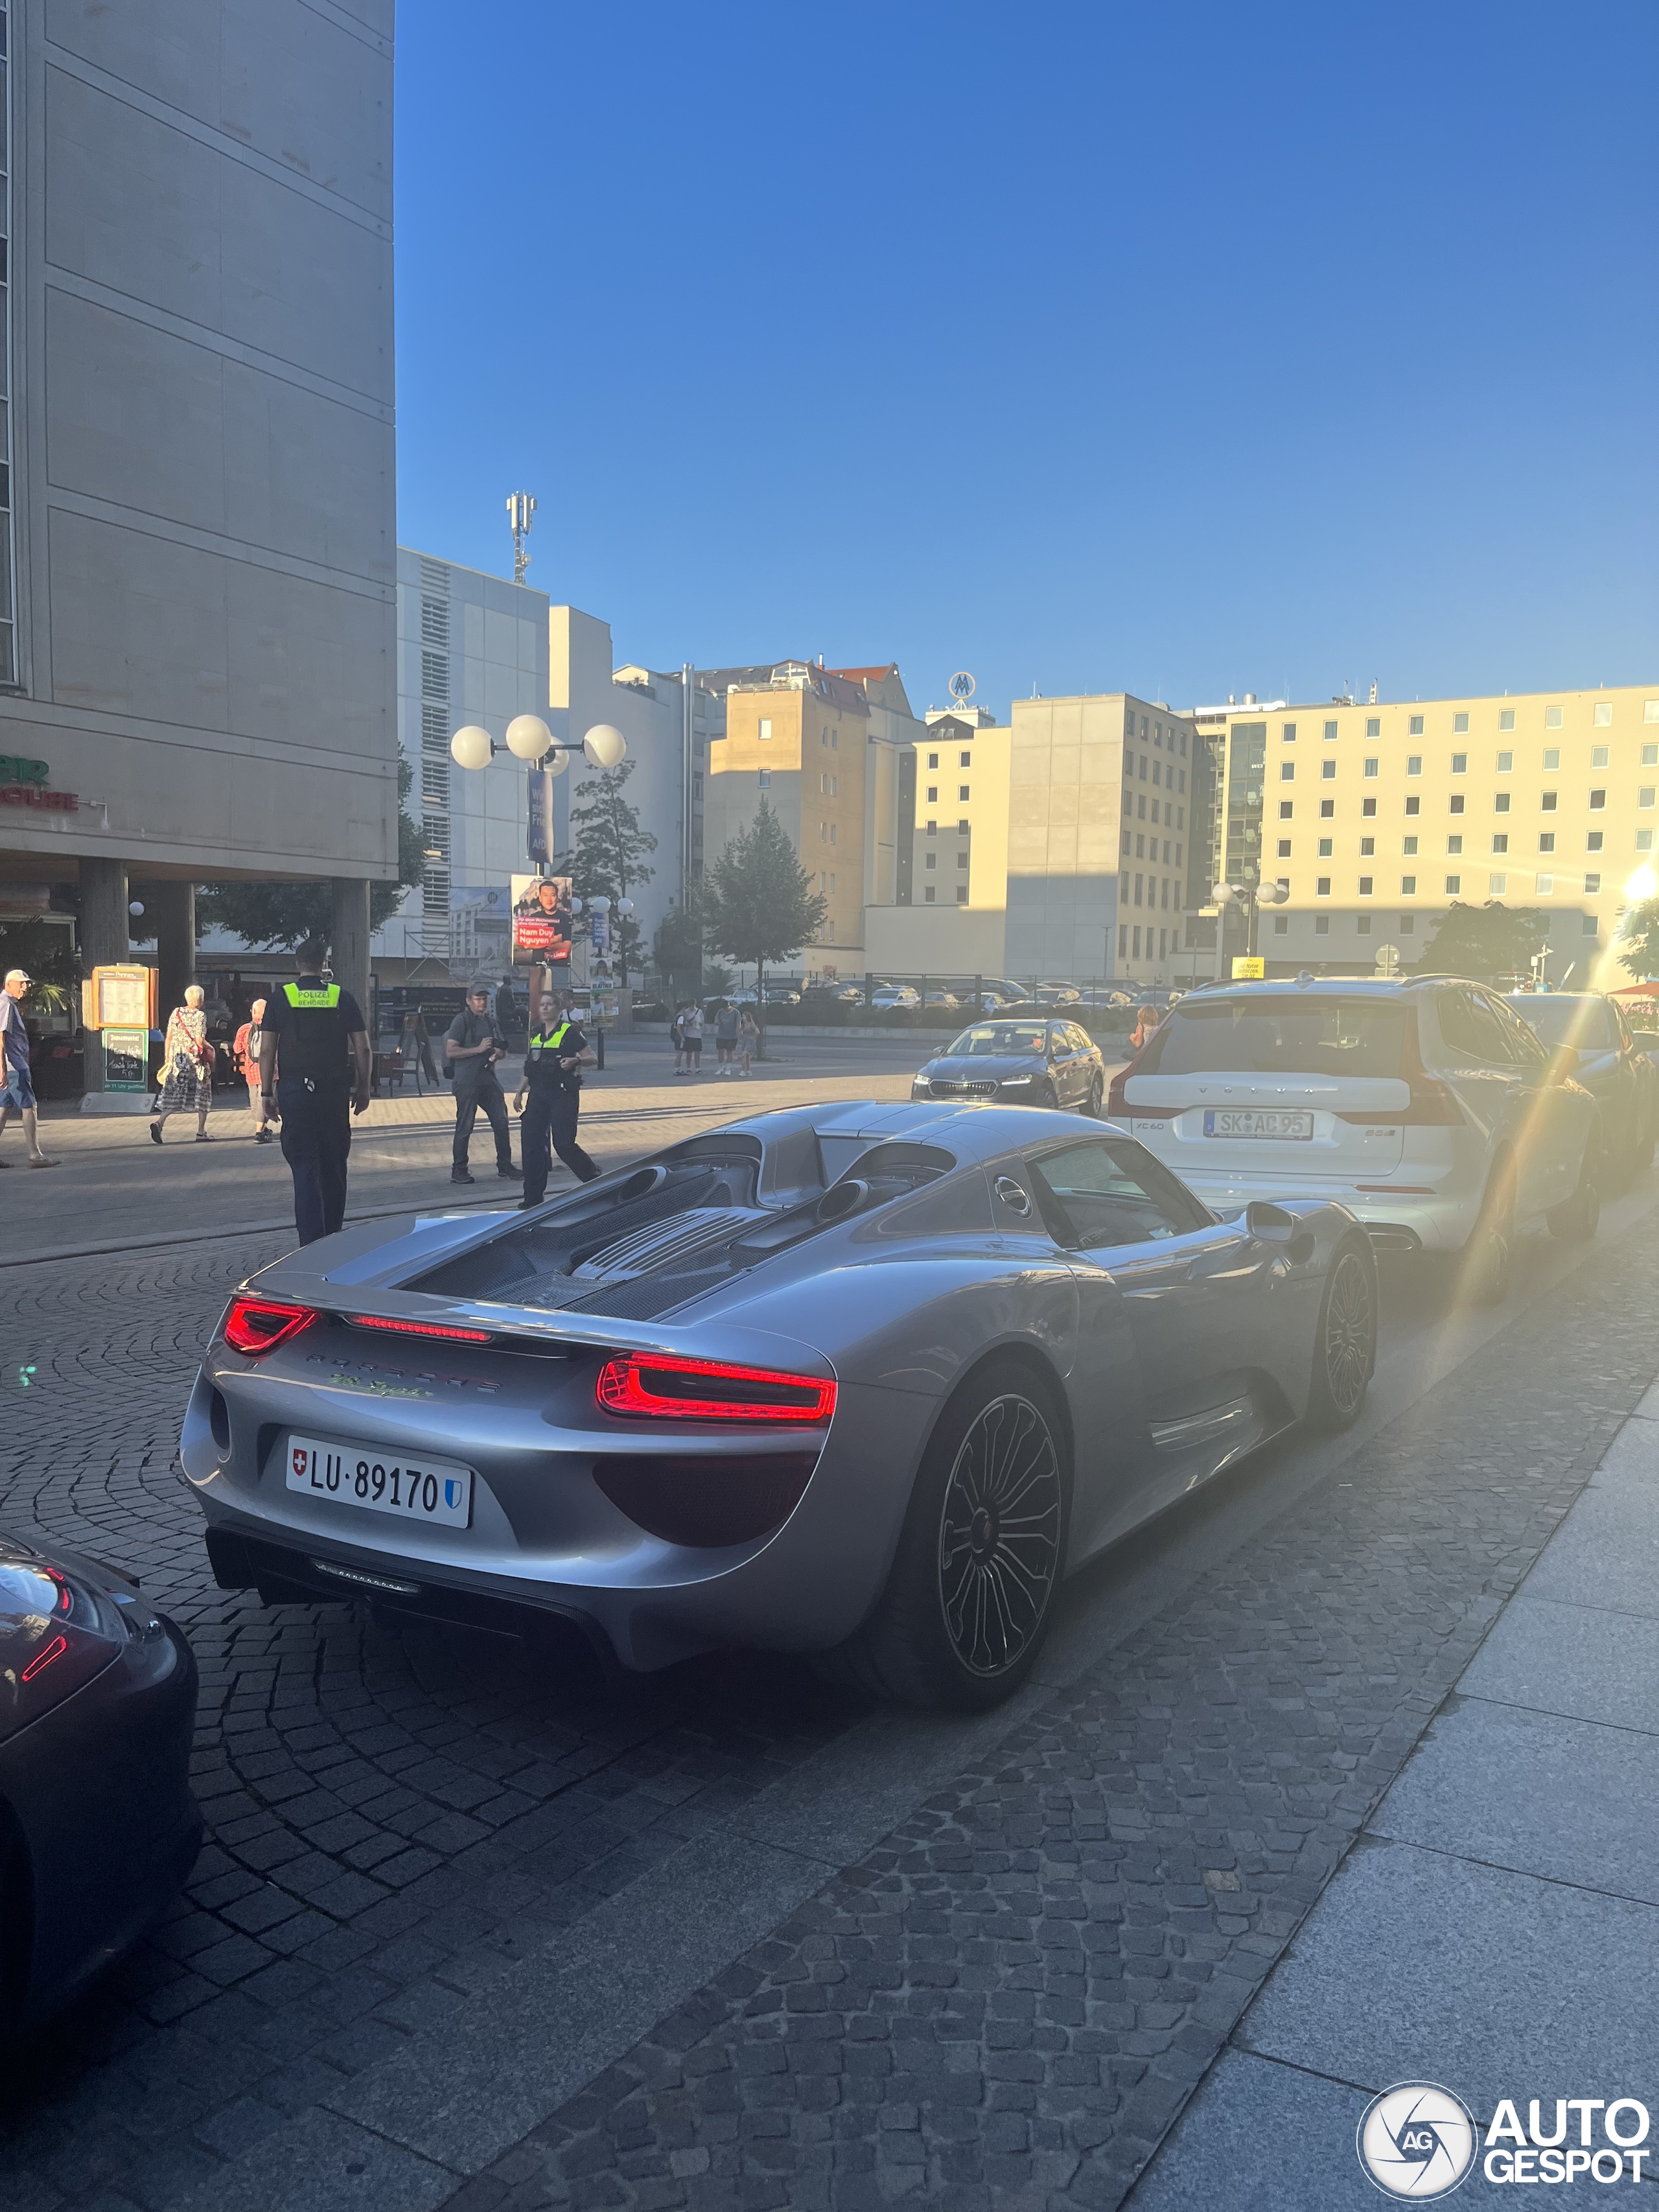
[863, 1382]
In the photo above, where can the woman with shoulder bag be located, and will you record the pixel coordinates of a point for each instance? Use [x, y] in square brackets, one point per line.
[187, 1065]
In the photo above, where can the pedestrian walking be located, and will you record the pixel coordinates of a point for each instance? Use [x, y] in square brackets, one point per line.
[748, 1038]
[676, 1032]
[315, 1074]
[16, 1082]
[691, 1031]
[557, 1052]
[472, 1045]
[186, 1066]
[726, 1037]
[246, 1048]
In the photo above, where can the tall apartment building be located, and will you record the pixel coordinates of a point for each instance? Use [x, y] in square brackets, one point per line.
[197, 465]
[1376, 817]
[942, 910]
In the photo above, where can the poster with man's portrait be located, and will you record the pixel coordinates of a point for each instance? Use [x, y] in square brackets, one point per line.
[541, 921]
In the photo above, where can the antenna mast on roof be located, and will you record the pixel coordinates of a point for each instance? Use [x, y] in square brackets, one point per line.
[521, 507]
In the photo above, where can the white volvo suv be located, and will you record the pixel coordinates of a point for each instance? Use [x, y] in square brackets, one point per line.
[1425, 1104]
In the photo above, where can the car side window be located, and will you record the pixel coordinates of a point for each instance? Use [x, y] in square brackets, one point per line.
[1528, 1047]
[1115, 1193]
[1469, 1030]
[1081, 1040]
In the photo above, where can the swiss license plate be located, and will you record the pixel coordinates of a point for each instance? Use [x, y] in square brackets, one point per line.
[414, 1489]
[1231, 1121]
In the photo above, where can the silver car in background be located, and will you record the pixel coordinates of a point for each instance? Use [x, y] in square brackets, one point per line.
[860, 1381]
[1425, 1105]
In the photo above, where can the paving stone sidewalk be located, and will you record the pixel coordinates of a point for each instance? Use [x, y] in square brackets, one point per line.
[1008, 2004]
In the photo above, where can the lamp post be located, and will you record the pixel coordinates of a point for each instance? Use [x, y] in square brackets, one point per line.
[529, 739]
[1252, 897]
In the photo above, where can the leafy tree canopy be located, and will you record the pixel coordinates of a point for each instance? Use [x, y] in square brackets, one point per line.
[1488, 941]
[610, 851]
[759, 902]
[288, 913]
[1638, 940]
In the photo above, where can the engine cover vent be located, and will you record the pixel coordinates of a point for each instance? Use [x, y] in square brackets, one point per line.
[652, 1249]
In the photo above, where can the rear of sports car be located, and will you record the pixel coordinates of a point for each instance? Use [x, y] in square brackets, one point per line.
[502, 1424]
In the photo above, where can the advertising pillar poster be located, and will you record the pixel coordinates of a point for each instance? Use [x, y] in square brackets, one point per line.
[541, 921]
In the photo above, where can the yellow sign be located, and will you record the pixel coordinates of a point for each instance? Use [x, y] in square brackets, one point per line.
[1249, 968]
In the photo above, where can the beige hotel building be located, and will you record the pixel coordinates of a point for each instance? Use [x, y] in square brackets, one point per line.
[1376, 818]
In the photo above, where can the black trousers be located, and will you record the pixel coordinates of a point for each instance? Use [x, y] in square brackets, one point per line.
[550, 1127]
[316, 1140]
[484, 1094]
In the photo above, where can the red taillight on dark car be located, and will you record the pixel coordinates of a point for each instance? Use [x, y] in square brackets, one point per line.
[420, 1329]
[255, 1326]
[644, 1385]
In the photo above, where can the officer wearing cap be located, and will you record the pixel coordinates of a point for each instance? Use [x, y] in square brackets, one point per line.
[557, 1053]
[314, 1072]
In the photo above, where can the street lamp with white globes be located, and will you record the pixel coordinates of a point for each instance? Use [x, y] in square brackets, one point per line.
[1251, 897]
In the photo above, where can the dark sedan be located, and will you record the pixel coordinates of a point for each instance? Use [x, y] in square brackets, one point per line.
[1610, 1065]
[1023, 1063]
[97, 1825]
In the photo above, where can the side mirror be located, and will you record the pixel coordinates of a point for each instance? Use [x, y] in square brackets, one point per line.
[1269, 1223]
[1564, 1064]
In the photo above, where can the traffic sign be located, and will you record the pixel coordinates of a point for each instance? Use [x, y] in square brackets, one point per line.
[1249, 968]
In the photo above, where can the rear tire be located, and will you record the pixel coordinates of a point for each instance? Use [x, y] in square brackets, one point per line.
[1049, 1096]
[966, 1605]
[1344, 1341]
[1097, 1105]
[1488, 1259]
[1575, 1221]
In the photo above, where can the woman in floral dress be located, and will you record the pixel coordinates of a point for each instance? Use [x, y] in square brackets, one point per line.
[188, 1066]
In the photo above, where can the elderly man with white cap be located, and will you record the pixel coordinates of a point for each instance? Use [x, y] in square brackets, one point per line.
[16, 1091]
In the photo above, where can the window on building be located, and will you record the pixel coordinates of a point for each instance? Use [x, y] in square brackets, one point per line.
[1598, 802]
[1459, 763]
[1143, 726]
[1123, 940]
[1547, 802]
[1409, 922]
[1364, 887]
[1460, 723]
[1543, 885]
[929, 896]
[1546, 841]
[763, 730]
[1413, 805]
[931, 860]
[1501, 802]
[1454, 844]
[1644, 796]
[1454, 883]
[963, 826]
[1362, 924]
[933, 829]
[1454, 805]
[932, 760]
[1506, 718]
[1368, 809]
[1374, 726]
[1287, 809]
[834, 741]
[1413, 763]
[1136, 955]
[832, 833]
[1321, 924]
[1288, 733]
[1414, 728]
[1330, 732]
[1592, 882]
[1284, 849]
[932, 794]
[1370, 768]
[1590, 925]
[1500, 843]
[1157, 771]
[962, 794]
[1140, 848]
[1326, 809]
[1327, 771]
[1287, 770]
[1409, 845]
[1603, 716]
[1650, 755]
[1322, 886]
[1408, 886]
[1645, 841]
[1141, 771]
[967, 760]
[764, 779]
[1281, 925]
[962, 894]
[1593, 842]
[962, 859]
[1367, 847]
[1552, 757]
[1505, 762]
[1497, 882]
[1552, 718]
[1140, 808]
[1598, 755]
[1324, 849]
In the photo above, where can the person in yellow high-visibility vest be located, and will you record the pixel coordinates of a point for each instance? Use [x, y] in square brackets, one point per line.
[314, 1072]
[553, 1062]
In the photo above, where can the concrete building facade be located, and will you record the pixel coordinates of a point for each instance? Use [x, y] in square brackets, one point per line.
[197, 611]
[1377, 817]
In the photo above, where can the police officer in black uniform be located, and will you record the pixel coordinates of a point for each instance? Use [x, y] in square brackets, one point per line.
[314, 1072]
[553, 1062]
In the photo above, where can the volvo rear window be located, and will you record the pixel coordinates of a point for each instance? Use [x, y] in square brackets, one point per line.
[1280, 1036]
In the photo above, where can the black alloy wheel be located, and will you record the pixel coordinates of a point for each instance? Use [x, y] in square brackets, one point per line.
[1049, 1096]
[1097, 1101]
[1576, 1220]
[998, 1536]
[1488, 1260]
[1345, 1346]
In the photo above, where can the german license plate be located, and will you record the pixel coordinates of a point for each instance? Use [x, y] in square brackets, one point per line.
[1230, 1122]
[416, 1490]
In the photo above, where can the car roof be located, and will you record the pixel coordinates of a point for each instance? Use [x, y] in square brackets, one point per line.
[1315, 986]
[1557, 998]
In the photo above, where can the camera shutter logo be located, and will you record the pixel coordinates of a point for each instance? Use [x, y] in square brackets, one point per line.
[1417, 2142]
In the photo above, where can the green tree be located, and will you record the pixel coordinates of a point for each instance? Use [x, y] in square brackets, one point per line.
[1639, 940]
[678, 948]
[759, 901]
[1488, 941]
[288, 913]
[608, 849]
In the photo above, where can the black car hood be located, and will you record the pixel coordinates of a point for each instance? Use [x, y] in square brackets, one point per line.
[984, 1066]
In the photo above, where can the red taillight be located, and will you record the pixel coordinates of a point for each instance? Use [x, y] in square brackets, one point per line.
[1117, 1106]
[37, 1665]
[643, 1383]
[421, 1328]
[255, 1326]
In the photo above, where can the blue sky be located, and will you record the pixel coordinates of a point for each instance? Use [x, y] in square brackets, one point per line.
[1189, 349]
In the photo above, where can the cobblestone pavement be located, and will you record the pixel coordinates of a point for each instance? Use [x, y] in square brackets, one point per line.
[377, 1801]
[1007, 2004]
